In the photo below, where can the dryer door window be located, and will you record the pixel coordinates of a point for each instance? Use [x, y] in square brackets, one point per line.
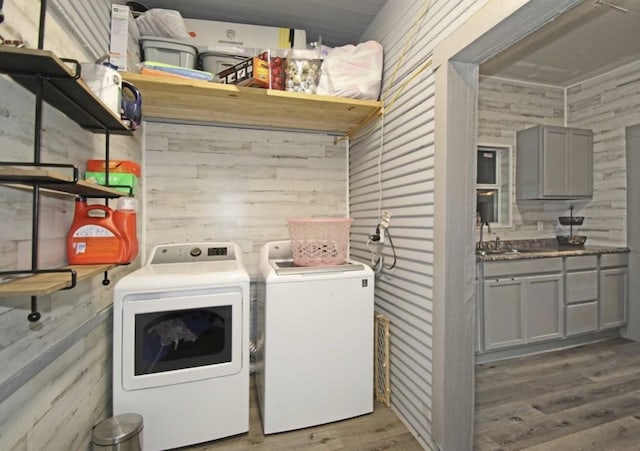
[167, 341]
[180, 337]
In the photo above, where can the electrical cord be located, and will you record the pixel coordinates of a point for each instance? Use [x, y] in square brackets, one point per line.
[393, 249]
[375, 241]
[377, 259]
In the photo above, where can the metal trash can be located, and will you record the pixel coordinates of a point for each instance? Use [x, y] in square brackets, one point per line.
[119, 433]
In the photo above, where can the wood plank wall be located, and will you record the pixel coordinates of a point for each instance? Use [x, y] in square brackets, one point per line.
[607, 104]
[208, 183]
[504, 107]
[404, 294]
[55, 378]
[89, 22]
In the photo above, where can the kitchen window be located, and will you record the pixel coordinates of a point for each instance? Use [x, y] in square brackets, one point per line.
[494, 185]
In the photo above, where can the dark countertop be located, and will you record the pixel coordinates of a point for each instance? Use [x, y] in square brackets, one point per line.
[545, 248]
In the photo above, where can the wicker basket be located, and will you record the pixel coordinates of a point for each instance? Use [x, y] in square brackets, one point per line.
[319, 241]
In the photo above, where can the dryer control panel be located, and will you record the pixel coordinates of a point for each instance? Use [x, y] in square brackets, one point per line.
[192, 252]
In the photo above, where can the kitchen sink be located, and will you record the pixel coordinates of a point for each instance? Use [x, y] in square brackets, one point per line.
[496, 251]
[512, 251]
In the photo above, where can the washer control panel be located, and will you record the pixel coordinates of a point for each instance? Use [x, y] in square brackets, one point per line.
[192, 252]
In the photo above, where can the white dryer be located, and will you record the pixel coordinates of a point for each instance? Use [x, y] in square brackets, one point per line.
[181, 344]
[315, 341]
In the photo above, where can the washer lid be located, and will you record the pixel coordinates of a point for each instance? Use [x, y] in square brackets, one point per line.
[289, 267]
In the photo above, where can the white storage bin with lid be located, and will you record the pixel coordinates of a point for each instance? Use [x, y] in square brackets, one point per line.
[169, 51]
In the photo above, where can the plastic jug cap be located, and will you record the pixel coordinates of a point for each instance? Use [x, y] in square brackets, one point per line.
[127, 204]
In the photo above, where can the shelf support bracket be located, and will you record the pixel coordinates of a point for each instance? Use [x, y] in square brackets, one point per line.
[35, 314]
[43, 16]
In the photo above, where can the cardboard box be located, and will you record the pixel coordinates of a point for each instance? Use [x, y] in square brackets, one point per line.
[127, 182]
[124, 43]
[227, 36]
[252, 72]
[127, 166]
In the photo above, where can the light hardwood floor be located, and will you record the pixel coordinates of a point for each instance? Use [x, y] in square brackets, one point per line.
[584, 398]
[380, 430]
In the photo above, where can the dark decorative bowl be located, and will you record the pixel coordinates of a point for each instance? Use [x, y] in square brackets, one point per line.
[571, 220]
[571, 240]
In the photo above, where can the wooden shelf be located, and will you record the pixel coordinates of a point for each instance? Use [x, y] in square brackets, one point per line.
[56, 182]
[44, 284]
[201, 101]
[62, 90]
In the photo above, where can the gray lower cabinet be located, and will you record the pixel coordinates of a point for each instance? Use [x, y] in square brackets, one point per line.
[613, 280]
[534, 300]
[503, 313]
[582, 318]
[581, 294]
[613, 297]
[521, 310]
[544, 308]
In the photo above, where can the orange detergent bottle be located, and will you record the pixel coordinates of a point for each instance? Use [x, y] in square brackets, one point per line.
[124, 219]
[96, 239]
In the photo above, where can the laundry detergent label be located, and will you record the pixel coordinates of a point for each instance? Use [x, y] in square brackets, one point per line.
[93, 231]
[96, 242]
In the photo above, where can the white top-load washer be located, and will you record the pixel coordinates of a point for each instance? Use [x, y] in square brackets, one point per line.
[314, 340]
[181, 344]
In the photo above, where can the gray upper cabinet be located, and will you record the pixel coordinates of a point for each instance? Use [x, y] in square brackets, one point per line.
[554, 163]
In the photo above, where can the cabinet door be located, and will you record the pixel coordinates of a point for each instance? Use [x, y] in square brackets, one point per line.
[613, 297]
[580, 165]
[582, 286]
[544, 310]
[582, 318]
[555, 161]
[503, 313]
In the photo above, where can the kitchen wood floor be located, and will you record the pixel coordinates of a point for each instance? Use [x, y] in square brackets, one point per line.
[584, 398]
[380, 430]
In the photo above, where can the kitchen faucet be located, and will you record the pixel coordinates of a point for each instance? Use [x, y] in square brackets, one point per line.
[482, 224]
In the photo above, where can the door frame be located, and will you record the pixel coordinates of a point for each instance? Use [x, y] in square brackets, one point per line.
[632, 141]
[494, 27]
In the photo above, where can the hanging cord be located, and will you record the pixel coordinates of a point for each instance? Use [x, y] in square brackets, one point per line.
[367, 125]
[377, 259]
[417, 24]
[393, 249]
[380, 152]
[414, 30]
